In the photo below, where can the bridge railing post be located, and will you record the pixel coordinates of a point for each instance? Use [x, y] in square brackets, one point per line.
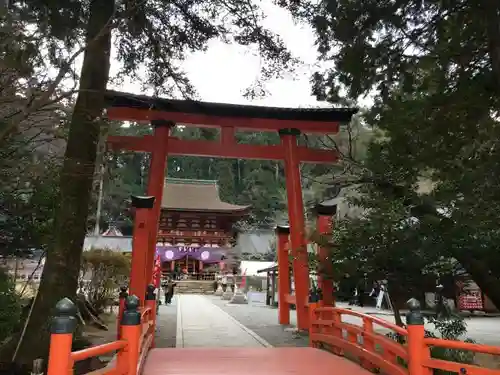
[62, 328]
[131, 331]
[314, 303]
[151, 303]
[121, 307]
[418, 352]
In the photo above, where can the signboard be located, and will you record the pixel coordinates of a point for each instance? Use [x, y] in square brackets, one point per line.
[471, 300]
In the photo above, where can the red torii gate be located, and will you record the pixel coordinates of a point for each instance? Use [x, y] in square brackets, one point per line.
[164, 114]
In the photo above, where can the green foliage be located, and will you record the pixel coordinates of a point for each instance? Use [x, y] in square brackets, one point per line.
[103, 272]
[258, 183]
[386, 244]
[450, 329]
[27, 206]
[10, 306]
[266, 257]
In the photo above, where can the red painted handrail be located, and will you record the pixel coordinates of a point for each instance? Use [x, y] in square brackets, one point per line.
[136, 341]
[98, 350]
[373, 319]
[145, 312]
[409, 356]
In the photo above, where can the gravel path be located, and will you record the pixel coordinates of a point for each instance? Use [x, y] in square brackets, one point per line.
[263, 320]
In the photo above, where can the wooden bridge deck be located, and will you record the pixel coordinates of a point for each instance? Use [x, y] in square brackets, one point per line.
[210, 342]
[247, 361]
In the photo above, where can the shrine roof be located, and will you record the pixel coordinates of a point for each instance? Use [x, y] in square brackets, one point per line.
[196, 195]
[125, 100]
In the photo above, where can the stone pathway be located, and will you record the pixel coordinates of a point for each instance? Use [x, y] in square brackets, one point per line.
[200, 323]
[166, 326]
[263, 320]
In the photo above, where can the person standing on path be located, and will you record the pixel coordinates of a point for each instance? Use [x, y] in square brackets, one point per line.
[224, 283]
[361, 290]
[169, 291]
[380, 297]
[375, 290]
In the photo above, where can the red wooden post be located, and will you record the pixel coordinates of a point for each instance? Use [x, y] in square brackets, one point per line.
[62, 327]
[140, 243]
[312, 317]
[151, 302]
[297, 225]
[128, 359]
[282, 233]
[121, 306]
[156, 182]
[324, 226]
[418, 352]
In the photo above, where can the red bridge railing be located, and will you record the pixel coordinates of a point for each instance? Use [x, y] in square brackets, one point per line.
[408, 354]
[135, 338]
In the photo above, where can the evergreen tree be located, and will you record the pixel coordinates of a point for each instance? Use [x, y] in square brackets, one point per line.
[433, 68]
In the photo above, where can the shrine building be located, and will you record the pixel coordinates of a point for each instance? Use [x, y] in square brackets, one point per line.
[196, 228]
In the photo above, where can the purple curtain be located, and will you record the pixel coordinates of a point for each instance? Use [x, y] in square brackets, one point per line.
[205, 254]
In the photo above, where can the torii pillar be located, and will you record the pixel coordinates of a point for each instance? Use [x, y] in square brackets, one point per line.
[282, 234]
[298, 245]
[156, 182]
[324, 226]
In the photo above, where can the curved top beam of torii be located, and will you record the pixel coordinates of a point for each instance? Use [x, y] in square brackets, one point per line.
[130, 107]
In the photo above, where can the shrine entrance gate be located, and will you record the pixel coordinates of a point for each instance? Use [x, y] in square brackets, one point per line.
[164, 114]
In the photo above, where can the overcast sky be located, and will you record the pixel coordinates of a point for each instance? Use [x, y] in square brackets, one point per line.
[223, 72]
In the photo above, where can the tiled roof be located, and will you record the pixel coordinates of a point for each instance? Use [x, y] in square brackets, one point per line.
[122, 99]
[113, 232]
[120, 243]
[195, 195]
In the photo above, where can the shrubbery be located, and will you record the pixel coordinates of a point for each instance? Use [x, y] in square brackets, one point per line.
[452, 328]
[103, 272]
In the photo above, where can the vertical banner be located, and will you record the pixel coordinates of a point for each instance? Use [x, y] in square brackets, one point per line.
[157, 272]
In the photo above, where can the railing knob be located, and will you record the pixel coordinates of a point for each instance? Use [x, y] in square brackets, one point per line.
[414, 316]
[131, 316]
[150, 293]
[123, 292]
[64, 320]
[314, 296]
[142, 202]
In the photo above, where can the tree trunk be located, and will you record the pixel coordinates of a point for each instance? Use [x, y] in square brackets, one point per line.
[397, 306]
[62, 267]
